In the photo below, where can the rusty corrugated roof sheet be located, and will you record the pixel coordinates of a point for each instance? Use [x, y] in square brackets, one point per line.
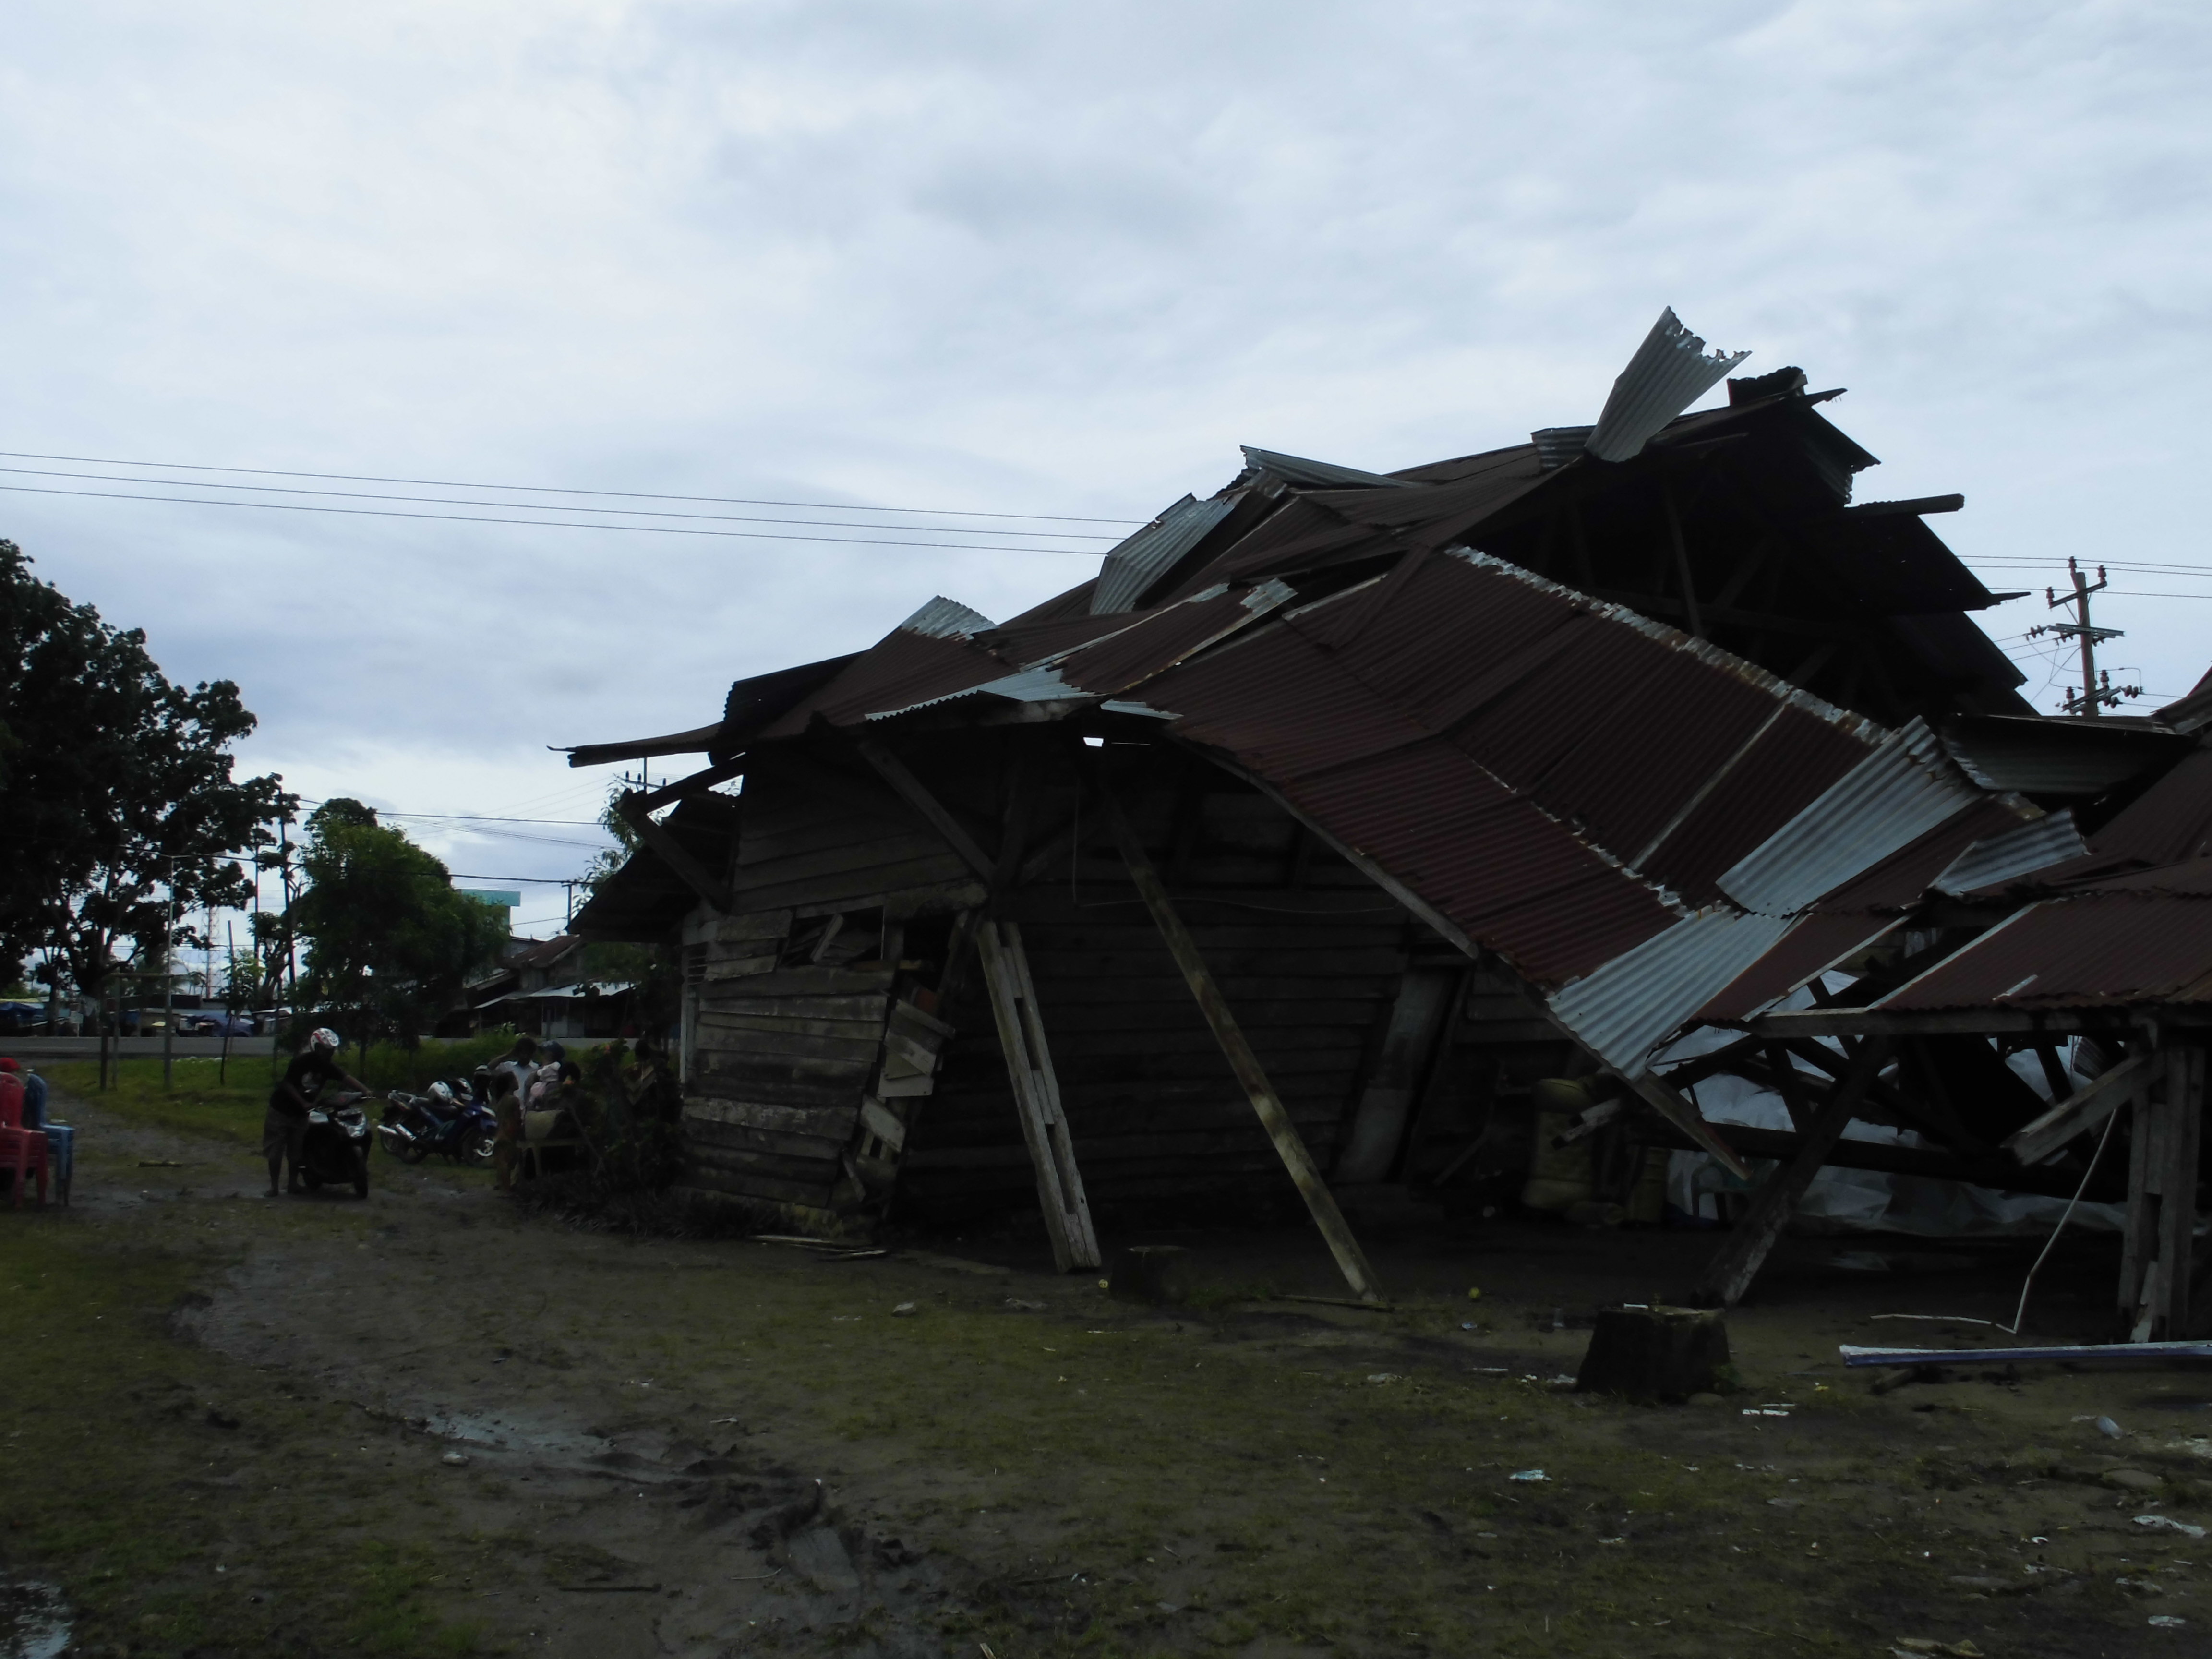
[2103, 949]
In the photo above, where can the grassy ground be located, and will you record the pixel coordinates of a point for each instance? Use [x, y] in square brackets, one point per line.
[167, 1489]
[1087, 1479]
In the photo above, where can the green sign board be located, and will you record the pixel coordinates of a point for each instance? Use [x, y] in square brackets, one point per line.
[485, 896]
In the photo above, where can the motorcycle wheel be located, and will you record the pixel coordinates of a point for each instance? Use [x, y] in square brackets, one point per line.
[478, 1151]
[361, 1173]
[314, 1182]
[412, 1150]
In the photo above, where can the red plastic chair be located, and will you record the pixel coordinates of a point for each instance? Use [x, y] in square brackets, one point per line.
[23, 1151]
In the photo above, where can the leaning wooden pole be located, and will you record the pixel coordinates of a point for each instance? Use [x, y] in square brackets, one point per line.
[1037, 1097]
[1290, 1146]
[1776, 1201]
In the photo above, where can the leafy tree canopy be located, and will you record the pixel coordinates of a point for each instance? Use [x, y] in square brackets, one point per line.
[121, 815]
[390, 943]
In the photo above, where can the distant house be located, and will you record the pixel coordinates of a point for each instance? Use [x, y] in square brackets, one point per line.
[539, 987]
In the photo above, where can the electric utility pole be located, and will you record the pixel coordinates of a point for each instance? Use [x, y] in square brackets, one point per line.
[169, 989]
[2097, 691]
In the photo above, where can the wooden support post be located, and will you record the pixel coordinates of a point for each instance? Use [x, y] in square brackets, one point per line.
[1037, 1097]
[894, 771]
[1788, 1082]
[1776, 1201]
[2159, 1235]
[1290, 1146]
[1685, 1117]
[671, 852]
[2080, 1112]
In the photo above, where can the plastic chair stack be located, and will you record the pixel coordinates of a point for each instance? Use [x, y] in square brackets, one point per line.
[22, 1151]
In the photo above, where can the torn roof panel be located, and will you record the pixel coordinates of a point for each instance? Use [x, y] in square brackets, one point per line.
[1817, 943]
[1900, 880]
[2100, 950]
[1163, 637]
[1624, 1008]
[1506, 876]
[697, 741]
[1667, 373]
[1783, 771]
[903, 668]
[1133, 565]
[2065, 758]
[1324, 475]
[1896, 795]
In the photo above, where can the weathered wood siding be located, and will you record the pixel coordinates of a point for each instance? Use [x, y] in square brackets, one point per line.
[1309, 970]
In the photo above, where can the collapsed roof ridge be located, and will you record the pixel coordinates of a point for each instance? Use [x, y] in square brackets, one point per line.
[1870, 733]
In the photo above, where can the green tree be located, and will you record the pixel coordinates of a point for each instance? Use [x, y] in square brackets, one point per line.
[121, 817]
[389, 941]
[652, 969]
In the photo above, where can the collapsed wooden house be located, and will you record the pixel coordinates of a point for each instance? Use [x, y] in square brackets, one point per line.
[1289, 853]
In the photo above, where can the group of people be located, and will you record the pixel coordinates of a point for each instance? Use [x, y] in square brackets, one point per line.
[530, 1077]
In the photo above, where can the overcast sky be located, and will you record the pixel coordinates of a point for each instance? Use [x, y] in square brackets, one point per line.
[1018, 259]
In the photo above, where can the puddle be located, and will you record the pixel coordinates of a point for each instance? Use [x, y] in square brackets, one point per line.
[35, 1622]
[477, 1429]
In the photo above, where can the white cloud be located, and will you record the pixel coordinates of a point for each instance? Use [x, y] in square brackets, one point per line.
[1028, 258]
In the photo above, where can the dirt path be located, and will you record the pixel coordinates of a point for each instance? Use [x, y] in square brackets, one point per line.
[610, 1447]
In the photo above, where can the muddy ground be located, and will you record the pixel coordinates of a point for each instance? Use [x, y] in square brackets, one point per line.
[426, 1423]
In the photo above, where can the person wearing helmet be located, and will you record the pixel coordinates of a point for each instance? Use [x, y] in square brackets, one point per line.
[284, 1130]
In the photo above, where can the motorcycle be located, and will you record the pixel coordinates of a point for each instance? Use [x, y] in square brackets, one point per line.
[334, 1148]
[415, 1126]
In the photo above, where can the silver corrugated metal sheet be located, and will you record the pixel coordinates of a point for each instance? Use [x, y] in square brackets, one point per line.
[1669, 373]
[1320, 474]
[2050, 840]
[945, 619]
[1557, 445]
[1133, 565]
[1624, 1010]
[1892, 796]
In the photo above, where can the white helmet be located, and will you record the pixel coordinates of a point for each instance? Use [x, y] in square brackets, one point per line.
[441, 1094]
[323, 1038]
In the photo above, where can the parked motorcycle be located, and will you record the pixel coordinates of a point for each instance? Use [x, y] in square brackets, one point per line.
[334, 1148]
[445, 1120]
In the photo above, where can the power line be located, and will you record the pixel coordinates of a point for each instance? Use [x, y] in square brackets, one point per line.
[547, 489]
[530, 506]
[547, 524]
[2151, 569]
[486, 817]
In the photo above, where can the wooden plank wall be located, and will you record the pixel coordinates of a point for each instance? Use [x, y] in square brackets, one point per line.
[1309, 956]
[819, 837]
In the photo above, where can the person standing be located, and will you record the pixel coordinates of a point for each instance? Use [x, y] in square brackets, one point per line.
[284, 1130]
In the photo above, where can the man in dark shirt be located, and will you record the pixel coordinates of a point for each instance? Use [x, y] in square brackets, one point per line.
[284, 1131]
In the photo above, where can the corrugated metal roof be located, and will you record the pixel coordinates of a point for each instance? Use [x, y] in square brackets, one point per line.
[2019, 851]
[1624, 1009]
[945, 619]
[1319, 474]
[2170, 824]
[1896, 795]
[1669, 373]
[1133, 565]
[1902, 880]
[904, 670]
[2193, 712]
[697, 741]
[1817, 943]
[1165, 636]
[2102, 950]
[2056, 756]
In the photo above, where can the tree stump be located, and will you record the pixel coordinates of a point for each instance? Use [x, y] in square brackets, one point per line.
[1155, 1273]
[1655, 1353]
